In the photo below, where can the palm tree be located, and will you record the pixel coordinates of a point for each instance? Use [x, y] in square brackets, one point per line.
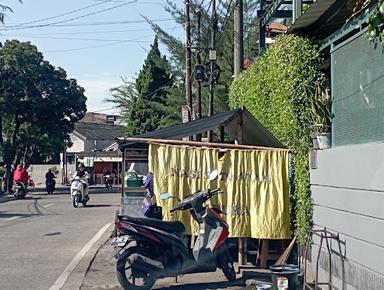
[3, 10]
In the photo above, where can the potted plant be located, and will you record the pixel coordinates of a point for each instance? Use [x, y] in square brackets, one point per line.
[320, 118]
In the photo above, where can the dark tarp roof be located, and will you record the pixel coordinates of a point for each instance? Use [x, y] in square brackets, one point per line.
[325, 17]
[238, 123]
[95, 131]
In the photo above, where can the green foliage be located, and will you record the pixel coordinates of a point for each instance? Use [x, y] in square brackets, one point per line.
[376, 23]
[279, 90]
[55, 170]
[38, 105]
[321, 106]
[145, 103]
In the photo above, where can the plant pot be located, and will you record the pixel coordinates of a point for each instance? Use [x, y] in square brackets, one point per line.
[287, 272]
[321, 141]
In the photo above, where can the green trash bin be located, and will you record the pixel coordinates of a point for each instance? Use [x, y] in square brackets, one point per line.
[133, 180]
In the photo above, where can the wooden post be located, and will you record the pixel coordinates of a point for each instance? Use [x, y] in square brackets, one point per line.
[222, 134]
[188, 88]
[123, 174]
[242, 251]
[238, 38]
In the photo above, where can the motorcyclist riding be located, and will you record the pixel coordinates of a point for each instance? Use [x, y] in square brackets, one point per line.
[21, 179]
[83, 175]
[50, 181]
[107, 178]
[21, 175]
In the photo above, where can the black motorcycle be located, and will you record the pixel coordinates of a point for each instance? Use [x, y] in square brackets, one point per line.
[148, 249]
[20, 190]
[50, 185]
[108, 181]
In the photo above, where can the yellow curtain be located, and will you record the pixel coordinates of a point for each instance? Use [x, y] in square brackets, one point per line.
[255, 199]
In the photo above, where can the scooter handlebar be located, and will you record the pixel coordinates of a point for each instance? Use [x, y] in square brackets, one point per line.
[174, 209]
[187, 203]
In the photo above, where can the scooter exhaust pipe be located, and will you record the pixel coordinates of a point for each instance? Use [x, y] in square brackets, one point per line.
[145, 264]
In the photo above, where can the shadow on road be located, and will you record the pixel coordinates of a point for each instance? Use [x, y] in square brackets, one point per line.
[12, 214]
[100, 205]
[204, 286]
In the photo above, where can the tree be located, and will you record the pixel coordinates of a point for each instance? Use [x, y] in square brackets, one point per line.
[144, 103]
[38, 105]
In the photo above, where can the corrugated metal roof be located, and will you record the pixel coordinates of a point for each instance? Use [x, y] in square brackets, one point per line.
[95, 131]
[314, 12]
[325, 17]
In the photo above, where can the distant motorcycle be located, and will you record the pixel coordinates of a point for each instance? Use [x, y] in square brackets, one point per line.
[78, 187]
[50, 185]
[20, 190]
[108, 181]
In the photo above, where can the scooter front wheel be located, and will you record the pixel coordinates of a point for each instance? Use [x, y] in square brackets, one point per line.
[127, 278]
[226, 266]
[75, 201]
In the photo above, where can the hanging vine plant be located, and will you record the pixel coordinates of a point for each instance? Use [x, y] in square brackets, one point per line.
[283, 90]
[376, 23]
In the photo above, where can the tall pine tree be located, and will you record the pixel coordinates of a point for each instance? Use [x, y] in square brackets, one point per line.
[144, 103]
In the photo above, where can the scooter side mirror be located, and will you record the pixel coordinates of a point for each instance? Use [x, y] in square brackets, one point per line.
[213, 175]
[165, 196]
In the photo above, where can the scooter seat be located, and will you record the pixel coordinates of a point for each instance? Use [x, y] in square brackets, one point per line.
[175, 227]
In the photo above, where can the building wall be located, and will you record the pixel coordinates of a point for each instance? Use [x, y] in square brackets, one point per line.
[78, 144]
[348, 195]
[38, 171]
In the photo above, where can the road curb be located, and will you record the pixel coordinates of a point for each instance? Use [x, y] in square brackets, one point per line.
[77, 277]
[5, 198]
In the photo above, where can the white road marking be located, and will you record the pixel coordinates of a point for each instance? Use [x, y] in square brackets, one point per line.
[12, 218]
[48, 205]
[76, 260]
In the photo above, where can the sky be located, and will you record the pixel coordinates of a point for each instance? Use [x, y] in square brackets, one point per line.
[97, 42]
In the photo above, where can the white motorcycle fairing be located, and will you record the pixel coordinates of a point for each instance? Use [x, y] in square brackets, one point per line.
[77, 191]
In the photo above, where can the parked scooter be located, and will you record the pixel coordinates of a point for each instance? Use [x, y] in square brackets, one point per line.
[149, 249]
[108, 181]
[20, 190]
[78, 188]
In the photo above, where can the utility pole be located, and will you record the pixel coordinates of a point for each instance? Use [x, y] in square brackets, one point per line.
[198, 64]
[188, 88]
[212, 59]
[238, 38]
[238, 67]
[261, 29]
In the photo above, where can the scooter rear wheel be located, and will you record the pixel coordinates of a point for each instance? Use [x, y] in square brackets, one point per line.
[125, 276]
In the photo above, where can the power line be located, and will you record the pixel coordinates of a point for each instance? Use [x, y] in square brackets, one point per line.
[92, 32]
[60, 15]
[103, 110]
[99, 23]
[82, 39]
[74, 18]
[96, 46]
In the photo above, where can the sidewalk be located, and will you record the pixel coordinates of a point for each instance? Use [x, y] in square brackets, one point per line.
[101, 274]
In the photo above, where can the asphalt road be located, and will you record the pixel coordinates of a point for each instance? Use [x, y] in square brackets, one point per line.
[43, 236]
